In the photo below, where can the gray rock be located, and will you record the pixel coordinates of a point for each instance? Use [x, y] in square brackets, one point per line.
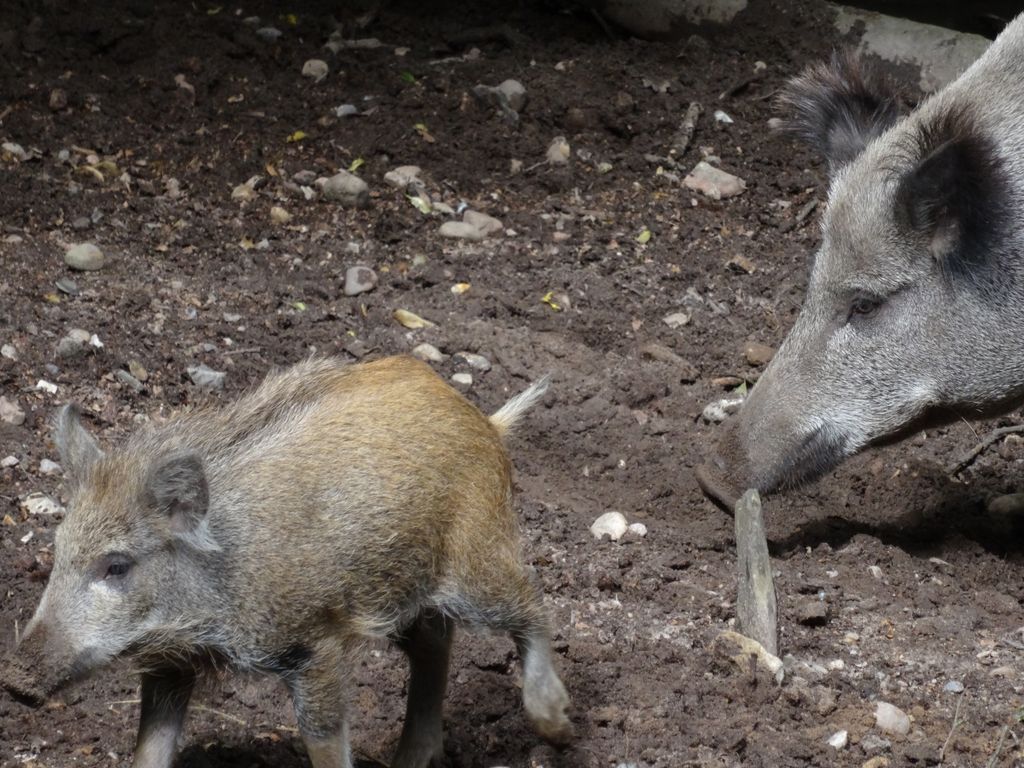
[9, 351]
[462, 379]
[85, 257]
[488, 225]
[873, 744]
[953, 686]
[10, 413]
[514, 93]
[403, 176]
[348, 189]
[713, 182]
[473, 360]
[610, 524]
[206, 378]
[82, 222]
[813, 612]
[75, 343]
[460, 230]
[676, 320]
[128, 380]
[359, 280]
[68, 286]
[9, 461]
[305, 178]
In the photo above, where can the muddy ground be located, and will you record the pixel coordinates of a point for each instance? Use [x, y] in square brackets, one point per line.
[195, 276]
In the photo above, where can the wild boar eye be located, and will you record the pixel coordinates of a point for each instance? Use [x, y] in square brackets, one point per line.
[117, 569]
[864, 306]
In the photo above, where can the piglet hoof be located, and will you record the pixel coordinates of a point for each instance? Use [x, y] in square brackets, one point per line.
[546, 705]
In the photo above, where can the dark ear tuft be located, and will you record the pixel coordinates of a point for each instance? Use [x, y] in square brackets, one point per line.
[78, 449]
[955, 196]
[840, 106]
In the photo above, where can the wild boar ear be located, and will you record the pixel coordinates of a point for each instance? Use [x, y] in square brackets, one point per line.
[955, 197]
[176, 487]
[78, 449]
[839, 107]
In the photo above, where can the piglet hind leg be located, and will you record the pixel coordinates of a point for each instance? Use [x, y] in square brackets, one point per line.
[507, 599]
[165, 695]
[428, 644]
[320, 698]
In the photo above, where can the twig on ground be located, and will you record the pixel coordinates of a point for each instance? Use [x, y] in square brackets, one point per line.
[218, 713]
[952, 729]
[994, 436]
[999, 748]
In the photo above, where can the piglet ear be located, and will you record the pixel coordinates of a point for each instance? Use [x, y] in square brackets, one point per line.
[839, 107]
[176, 487]
[955, 196]
[78, 449]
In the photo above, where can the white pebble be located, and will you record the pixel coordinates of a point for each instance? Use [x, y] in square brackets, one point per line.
[676, 320]
[875, 571]
[723, 117]
[473, 360]
[558, 151]
[953, 686]
[720, 410]
[48, 467]
[9, 351]
[637, 529]
[462, 379]
[428, 353]
[45, 386]
[891, 719]
[9, 461]
[838, 740]
[316, 69]
[610, 524]
[40, 504]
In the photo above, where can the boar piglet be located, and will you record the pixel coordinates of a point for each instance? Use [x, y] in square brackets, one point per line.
[914, 310]
[332, 505]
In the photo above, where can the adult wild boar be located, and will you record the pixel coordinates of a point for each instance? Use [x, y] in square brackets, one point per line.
[331, 506]
[914, 312]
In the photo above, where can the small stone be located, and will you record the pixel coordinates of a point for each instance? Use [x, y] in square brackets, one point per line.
[128, 380]
[58, 99]
[610, 524]
[812, 612]
[14, 150]
[514, 93]
[676, 320]
[205, 377]
[279, 215]
[1007, 505]
[460, 230]
[11, 413]
[739, 649]
[713, 182]
[891, 719]
[723, 117]
[462, 379]
[269, 34]
[403, 176]
[46, 386]
[231, 317]
[346, 110]
[875, 571]
[48, 467]
[84, 257]
[637, 529]
[348, 189]
[247, 190]
[315, 69]
[9, 351]
[473, 360]
[871, 743]
[953, 686]
[40, 504]
[82, 222]
[74, 344]
[838, 740]
[67, 286]
[757, 353]
[719, 410]
[304, 178]
[428, 353]
[487, 225]
[359, 280]
[9, 461]
[558, 151]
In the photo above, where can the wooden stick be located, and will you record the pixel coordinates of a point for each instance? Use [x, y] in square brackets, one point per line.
[965, 461]
[756, 605]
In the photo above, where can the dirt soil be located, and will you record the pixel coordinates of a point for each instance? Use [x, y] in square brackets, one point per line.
[922, 585]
